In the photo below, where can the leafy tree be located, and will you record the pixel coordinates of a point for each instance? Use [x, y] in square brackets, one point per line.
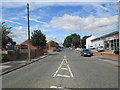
[38, 39]
[54, 44]
[72, 40]
[84, 40]
[5, 31]
[75, 40]
[67, 41]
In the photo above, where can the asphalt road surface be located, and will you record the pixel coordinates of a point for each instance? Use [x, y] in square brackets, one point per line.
[66, 69]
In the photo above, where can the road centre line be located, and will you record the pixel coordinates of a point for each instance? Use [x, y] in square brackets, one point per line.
[65, 56]
[66, 60]
[58, 68]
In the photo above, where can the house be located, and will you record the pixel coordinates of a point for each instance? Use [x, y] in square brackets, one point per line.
[49, 47]
[24, 45]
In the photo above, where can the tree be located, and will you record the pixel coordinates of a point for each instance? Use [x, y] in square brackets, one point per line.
[67, 41]
[38, 39]
[5, 31]
[72, 40]
[84, 41]
[54, 44]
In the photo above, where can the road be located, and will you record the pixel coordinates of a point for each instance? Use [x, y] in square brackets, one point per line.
[66, 69]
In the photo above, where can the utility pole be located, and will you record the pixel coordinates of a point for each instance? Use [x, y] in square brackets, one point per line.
[80, 38]
[29, 55]
[119, 23]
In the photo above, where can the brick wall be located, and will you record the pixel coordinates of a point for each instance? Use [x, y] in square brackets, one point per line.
[24, 55]
[107, 54]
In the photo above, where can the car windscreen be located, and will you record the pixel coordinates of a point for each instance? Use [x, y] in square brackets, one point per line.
[86, 50]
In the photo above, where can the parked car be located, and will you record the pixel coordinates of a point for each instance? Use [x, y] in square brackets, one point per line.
[78, 49]
[86, 52]
[58, 50]
[116, 52]
[91, 47]
[100, 48]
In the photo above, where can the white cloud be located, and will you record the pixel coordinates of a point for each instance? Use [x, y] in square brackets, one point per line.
[19, 28]
[19, 36]
[34, 19]
[89, 24]
[14, 18]
[49, 38]
[5, 20]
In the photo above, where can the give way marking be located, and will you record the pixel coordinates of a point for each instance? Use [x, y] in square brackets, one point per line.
[64, 62]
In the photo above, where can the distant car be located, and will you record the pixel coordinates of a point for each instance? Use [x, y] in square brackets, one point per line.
[77, 49]
[58, 50]
[116, 52]
[86, 52]
[100, 49]
[91, 47]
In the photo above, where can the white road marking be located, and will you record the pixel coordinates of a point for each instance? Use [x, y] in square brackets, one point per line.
[70, 71]
[64, 68]
[55, 87]
[64, 56]
[60, 75]
[58, 68]
[66, 60]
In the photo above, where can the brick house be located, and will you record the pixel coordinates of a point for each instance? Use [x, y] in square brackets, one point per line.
[24, 45]
[49, 47]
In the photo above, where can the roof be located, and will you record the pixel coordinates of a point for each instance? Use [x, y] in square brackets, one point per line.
[106, 35]
[25, 42]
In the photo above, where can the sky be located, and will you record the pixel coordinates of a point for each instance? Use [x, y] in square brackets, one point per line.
[59, 19]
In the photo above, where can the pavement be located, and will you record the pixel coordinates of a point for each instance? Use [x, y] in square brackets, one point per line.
[9, 66]
[64, 70]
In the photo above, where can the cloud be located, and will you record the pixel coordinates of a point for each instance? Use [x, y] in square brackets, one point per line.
[49, 38]
[5, 20]
[19, 28]
[90, 24]
[18, 36]
[34, 19]
[14, 18]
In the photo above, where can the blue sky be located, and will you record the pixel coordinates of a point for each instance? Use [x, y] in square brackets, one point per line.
[57, 20]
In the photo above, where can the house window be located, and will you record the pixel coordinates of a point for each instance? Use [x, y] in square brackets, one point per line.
[24, 46]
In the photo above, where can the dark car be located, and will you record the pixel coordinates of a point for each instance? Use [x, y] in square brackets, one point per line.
[116, 52]
[58, 50]
[86, 52]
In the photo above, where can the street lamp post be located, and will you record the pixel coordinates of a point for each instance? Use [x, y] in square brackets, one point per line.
[29, 55]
